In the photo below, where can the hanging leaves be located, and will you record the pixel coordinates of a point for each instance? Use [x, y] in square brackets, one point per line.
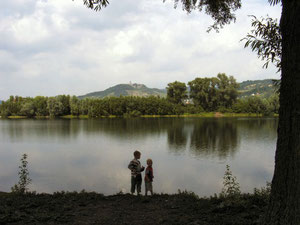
[265, 39]
[96, 5]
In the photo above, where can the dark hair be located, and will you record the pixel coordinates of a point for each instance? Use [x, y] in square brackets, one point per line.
[136, 153]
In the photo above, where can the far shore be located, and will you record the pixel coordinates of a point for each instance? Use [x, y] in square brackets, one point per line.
[203, 115]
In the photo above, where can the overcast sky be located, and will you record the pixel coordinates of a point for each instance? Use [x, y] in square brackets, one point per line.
[51, 47]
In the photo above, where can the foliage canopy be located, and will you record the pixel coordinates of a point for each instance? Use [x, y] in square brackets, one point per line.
[176, 92]
[220, 10]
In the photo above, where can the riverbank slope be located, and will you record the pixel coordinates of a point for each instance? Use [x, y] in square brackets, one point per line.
[93, 208]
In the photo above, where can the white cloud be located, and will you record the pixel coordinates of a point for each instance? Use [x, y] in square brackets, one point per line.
[29, 29]
[54, 47]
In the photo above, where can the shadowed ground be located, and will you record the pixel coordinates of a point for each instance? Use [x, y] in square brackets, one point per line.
[92, 208]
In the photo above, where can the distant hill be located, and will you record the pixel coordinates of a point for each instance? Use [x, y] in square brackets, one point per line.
[0, 101]
[263, 88]
[127, 90]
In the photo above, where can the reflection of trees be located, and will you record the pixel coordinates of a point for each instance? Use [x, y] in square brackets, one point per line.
[177, 137]
[126, 128]
[42, 129]
[66, 129]
[216, 137]
[120, 128]
[254, 127]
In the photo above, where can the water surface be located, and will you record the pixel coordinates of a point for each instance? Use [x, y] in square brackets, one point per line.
[188, 153]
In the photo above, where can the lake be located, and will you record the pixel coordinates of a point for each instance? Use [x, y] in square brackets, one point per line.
[188, 153]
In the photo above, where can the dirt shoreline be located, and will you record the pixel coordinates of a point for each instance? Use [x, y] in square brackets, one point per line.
[93, 208]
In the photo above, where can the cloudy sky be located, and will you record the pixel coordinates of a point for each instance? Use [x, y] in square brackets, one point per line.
[51, 47]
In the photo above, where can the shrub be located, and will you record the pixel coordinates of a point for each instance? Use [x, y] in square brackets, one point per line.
[188, 194]
[263, 192]
[231, 187]
[24, 179]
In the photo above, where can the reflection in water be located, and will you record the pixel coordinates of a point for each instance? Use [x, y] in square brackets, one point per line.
[177, 136]
[124, 128]
[258, 127]
[214, 137]
[200, 136]
[18, 130]
[203, 137]
[94, 154]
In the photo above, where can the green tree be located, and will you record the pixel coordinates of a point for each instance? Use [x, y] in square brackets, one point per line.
[55, 107]
[199, 92]
[65, 103]
[40, 104]
[255, 104]
[84, 106]
[117, 106]
[74, 106]
[13, 106]
[176, 92]
[28, 109]
[227, 88]
[274, 102]
[4, 112]
[213, 93]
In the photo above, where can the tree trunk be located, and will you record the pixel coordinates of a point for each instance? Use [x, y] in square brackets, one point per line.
[284, 206]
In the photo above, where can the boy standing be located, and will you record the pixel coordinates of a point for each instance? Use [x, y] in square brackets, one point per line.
[149, 177]
[136, 169]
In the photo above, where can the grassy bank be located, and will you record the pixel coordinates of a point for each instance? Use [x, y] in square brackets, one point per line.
[209, 115]
[203, 115]
[17, 117]
[93, 208]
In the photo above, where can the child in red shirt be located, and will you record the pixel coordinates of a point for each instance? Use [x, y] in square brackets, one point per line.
[149, 177]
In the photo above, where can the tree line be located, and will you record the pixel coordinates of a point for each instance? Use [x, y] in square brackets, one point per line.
[216, 94]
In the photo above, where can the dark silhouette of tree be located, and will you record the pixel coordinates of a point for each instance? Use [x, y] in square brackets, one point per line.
[284, 207]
